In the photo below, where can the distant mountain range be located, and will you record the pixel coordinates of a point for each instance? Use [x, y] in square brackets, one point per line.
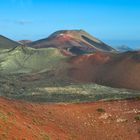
[124, 48]
[134, 44]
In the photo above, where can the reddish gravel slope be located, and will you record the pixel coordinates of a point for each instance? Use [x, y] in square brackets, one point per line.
[111, 120]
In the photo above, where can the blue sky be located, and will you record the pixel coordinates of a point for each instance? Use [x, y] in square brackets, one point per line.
[105, 19]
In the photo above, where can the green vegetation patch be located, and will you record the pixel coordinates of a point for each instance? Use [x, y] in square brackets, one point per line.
[28, 60]
[137, 118]
[100, 110]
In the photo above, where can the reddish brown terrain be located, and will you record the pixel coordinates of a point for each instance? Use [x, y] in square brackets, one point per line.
[75, 41]
[94, 61]
[89, 61]
[110, 120]
[111, 69]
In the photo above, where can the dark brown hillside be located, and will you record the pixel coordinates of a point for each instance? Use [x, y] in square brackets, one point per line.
[6, 43]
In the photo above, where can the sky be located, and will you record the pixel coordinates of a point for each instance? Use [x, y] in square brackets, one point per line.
[108, 20]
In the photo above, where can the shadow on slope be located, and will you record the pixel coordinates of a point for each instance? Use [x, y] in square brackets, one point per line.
[6, 43]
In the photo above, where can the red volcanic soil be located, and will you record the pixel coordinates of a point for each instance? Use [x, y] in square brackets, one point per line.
[63, 37]
[111, 69]
[67, 39]
[111, 120]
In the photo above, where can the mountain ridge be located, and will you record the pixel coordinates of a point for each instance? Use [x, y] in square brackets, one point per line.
[6, 43]
[69, 39]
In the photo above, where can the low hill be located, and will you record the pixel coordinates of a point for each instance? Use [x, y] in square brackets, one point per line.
[75, 41]
[119, 70]
[6, 43]
[116, 70]
[28, 60]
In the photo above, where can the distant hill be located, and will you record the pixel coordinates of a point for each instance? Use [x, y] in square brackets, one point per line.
[75, 41]
[123, 48]
[24, 42]
[6, 43]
